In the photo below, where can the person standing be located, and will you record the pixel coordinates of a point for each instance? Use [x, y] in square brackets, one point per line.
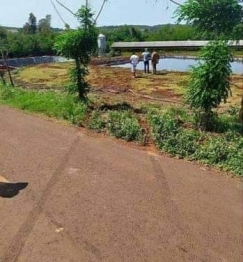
[146, 57]
[155, 60]
[134, 60]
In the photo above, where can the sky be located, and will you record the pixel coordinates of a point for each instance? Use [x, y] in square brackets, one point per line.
[15, 13]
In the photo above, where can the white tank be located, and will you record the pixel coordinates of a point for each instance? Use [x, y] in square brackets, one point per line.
[101, 44]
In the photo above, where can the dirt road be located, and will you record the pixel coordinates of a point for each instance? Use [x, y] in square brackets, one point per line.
[92, 199]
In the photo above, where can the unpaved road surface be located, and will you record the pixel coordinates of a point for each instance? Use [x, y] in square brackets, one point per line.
[92, 199]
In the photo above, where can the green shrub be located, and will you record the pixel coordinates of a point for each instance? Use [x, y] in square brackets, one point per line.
[225, 151]
[234, 161]
[222, 150]
[234, 111]
[124, 125]
[96, 121]
[171, 137]
[214, 151]
[164, 129]
[184, 144]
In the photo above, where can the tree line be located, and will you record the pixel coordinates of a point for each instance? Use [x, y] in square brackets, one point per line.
[35, 38]
[38, 39]
[167, 32]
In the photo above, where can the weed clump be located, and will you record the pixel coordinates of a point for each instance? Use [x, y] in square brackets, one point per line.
[96, 121]
[124, 125]
[223, 149]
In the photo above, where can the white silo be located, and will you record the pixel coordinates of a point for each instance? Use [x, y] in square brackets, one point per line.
[101, 44]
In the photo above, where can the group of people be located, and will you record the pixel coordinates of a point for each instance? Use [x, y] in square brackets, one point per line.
[146, 57]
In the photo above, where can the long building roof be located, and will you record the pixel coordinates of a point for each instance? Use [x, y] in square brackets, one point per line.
[168, 44]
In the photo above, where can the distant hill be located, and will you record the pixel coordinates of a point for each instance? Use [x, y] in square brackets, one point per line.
[141, 27]
[11, 29]
[105, 28]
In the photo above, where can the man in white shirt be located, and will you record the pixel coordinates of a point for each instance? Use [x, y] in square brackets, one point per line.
[134, 60]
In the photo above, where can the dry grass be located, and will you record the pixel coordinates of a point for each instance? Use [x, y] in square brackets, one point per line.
[120, 78]
[114, 84]
[46, 75]
[237, 92]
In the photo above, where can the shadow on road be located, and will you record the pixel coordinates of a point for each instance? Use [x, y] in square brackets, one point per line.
[8, 190]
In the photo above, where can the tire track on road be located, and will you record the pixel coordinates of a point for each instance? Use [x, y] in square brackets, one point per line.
[172, 211]
[15, 249]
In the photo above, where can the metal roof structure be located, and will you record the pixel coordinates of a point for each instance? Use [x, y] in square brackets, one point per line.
[169, 44]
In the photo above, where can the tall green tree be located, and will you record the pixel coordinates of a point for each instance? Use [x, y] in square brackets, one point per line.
[212, 17]
[44, 25]
[31, 26]
[32, 23]
[79, 45]
[209, 83]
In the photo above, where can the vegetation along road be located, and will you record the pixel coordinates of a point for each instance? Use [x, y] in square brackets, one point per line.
[90, 199]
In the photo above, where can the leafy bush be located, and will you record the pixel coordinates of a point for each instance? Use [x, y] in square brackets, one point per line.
[124, 125]
[234, 161]
[234, 111]
[223, 150]
[164, 128]
[214, 151]
[185, 144]
[96, 121]
[171, 137]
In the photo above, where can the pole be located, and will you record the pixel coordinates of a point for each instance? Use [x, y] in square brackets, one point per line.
[6, 65]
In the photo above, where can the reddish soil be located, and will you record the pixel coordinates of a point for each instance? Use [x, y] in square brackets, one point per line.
[90, 199]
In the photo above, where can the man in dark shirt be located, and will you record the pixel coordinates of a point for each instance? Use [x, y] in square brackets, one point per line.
[146, 57]
[155, 60]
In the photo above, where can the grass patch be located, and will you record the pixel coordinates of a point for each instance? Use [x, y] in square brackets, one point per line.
[52, 104]
[121, 124]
